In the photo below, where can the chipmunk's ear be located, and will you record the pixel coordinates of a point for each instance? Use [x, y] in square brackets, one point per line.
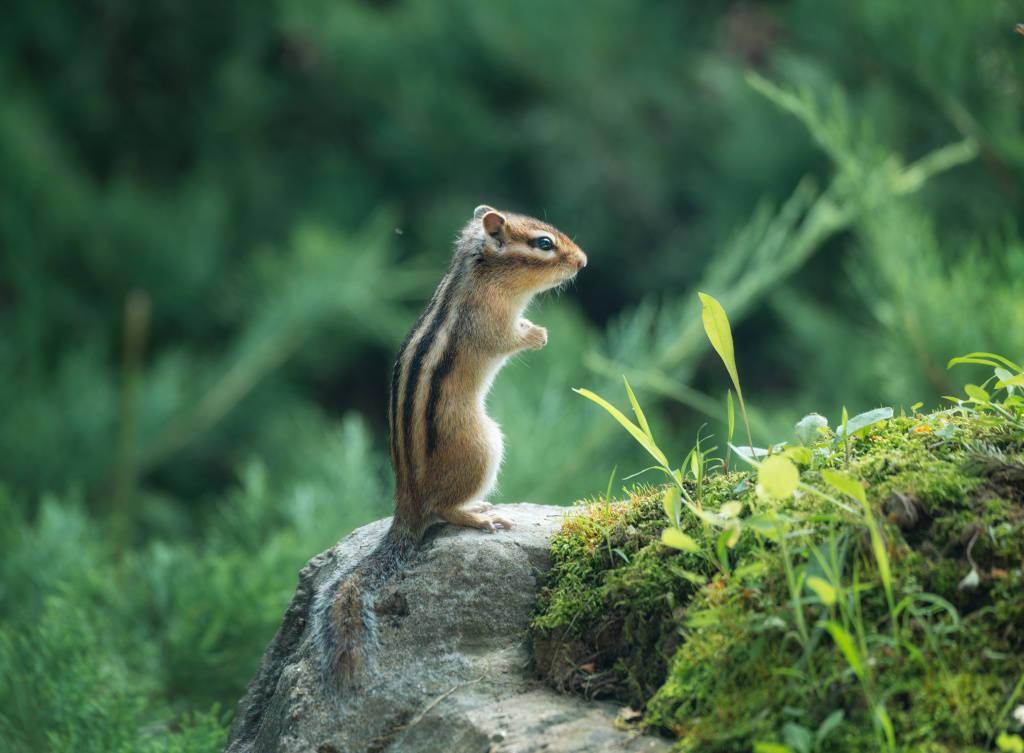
[481, 210]
[494, 224]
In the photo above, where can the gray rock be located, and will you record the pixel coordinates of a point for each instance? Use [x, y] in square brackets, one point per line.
[452, 671]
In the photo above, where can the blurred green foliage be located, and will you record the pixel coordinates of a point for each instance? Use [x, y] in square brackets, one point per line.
[217, 221]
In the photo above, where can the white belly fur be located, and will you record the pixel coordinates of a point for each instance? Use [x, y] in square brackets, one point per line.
[491, 432]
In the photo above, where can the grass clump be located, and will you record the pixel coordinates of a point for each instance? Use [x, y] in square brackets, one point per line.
[858, 590]
[716, 658]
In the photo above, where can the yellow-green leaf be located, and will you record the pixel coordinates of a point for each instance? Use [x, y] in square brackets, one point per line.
[777, 477]
[646, 442]
[1010, 381]
[734, 534]
[976, 393]
[883, 720]
[845, 485]
[848, 648]
[640, 417]
[676, 539]
[716, 325]
[730, 509]
[771, 748]
[985, 359]
[823, 589]
[799, 455]
[730, 413]
[670, 503]
[852, 487]
[1008, 743]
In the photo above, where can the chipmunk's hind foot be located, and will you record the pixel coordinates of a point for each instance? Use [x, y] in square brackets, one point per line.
[466, 516]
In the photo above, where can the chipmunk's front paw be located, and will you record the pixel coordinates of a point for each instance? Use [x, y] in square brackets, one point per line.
[534, 337]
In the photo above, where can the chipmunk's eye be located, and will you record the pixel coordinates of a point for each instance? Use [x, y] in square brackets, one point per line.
[543, 243]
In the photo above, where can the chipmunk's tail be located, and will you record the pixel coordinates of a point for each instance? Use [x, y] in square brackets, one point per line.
[346, 628]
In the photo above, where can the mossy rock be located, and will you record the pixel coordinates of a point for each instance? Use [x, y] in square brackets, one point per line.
[715, 656]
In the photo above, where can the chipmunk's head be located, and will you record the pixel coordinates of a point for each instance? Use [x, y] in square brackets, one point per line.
[524, 254]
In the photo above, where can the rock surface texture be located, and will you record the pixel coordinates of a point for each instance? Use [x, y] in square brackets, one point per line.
[452, 670]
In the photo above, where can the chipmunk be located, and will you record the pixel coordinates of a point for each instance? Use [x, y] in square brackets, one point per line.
[445, 449]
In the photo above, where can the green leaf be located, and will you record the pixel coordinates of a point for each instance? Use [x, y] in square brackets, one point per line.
[985, 359]
[828, 726]
[611, 480]
[823, 589]
[885, 723]
[845, 485]
[730, 509]
[753, 570]
[730, 413]
[845, 643]
[799, 455]
[771, 525]
[1008, 743]
[716, 326]
[797, 737]
[976, 393]
[748, 453]
[850, 486]
[763, 747]
[1009, 380]
[670, 504]
[862, 421]
[640, 417]
[777, 477]
[646, 442]
[722, 548]
[676, 539]
[808, 429]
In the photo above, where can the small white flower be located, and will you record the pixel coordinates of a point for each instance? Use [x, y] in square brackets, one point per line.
[1018, 714]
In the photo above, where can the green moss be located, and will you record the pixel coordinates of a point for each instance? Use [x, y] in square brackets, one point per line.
[714, 656]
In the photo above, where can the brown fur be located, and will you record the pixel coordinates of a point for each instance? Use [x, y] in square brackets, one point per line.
[491, 280]
[445, 449]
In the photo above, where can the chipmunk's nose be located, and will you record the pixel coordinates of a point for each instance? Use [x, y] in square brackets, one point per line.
[581, 260]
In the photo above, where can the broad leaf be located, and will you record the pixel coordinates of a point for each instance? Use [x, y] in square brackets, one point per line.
[863, 420]
[730, 509]
[845, 485]
[797, 737]
[826, 728]
[976, 393]
[716, 325]
[808, 429]
[676, 539]
[670, 504]
[823, 589]
[1006, 379]
[770, 524]
[799, 455]
[777, 478]
[763, 747]
[750, 453]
